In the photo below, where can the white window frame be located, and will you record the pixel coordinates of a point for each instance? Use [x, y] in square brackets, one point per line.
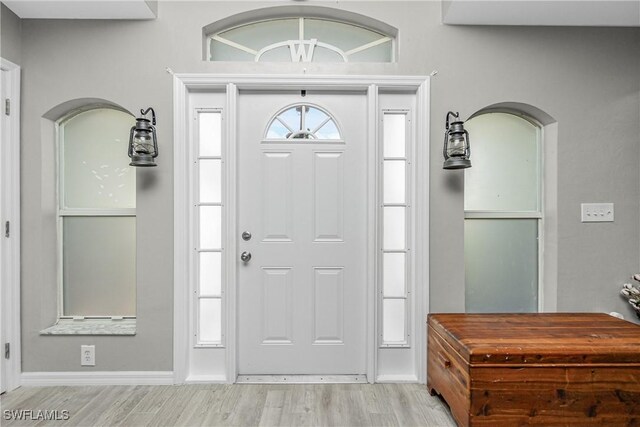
[407, 205]
[534, 214]
[62, 212]
[276, 117]
[301, 49]
[196, 204]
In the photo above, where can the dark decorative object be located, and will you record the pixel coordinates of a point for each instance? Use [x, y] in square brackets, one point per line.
[143, 144]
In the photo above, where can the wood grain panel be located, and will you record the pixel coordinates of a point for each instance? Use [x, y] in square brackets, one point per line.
[556, 393]
[546, 369]
[544, 338]
[447, 375]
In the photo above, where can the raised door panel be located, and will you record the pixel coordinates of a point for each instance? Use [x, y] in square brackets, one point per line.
[277, 196]
[328, 185]
[328, 305]
[277, 316]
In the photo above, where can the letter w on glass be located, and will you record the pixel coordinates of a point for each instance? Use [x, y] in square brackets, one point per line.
[302, 50]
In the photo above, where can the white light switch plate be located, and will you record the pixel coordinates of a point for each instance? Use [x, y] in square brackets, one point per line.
[597, 212]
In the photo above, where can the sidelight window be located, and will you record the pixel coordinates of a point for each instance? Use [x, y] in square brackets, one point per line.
[395, 290]
[209, 254]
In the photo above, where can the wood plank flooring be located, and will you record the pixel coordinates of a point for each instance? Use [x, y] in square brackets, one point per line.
[230, 405]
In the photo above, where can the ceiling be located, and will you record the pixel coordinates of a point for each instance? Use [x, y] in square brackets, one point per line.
[597, 13]
[84, 9]
[590, 13]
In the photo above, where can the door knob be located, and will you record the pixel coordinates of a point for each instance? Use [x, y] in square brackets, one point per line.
[246, 236]
[245, 256]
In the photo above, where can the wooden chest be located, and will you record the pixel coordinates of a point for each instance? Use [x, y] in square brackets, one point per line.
[551, 369]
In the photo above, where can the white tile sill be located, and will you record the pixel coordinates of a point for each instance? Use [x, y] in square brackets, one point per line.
[124, 327]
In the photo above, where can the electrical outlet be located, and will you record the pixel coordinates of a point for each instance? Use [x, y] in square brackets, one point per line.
[597, 212]
[88, 355]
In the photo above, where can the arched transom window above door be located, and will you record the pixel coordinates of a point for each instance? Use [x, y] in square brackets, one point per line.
[300, 39]
[303, 122]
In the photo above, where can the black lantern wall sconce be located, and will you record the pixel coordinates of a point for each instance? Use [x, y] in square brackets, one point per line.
[143, 143]
[456, 149]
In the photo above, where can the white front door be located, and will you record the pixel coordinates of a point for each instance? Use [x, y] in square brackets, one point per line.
[302, 197]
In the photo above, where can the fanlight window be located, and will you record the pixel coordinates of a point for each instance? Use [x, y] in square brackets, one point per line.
[303, 122]
[300, 40]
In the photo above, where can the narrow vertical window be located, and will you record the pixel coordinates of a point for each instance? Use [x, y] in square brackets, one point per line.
[503, 215]
[96, 216]
[209, 198]
[395, 223]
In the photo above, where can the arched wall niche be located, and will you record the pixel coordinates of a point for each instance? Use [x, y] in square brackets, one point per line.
[47, 212]
[526, 111]
[75, 106]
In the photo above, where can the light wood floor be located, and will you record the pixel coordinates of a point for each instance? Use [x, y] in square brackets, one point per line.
[233, 405]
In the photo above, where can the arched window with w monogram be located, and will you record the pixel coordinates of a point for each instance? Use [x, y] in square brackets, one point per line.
[316, 37]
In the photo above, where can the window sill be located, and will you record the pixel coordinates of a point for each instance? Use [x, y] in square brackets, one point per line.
[125, 327]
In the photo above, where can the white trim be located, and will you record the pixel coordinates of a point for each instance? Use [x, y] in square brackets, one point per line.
[183, 83]
[549, 291]
[10, 193]
[502, 215]
[368, 45]
[181, 221]
[301, 28]
[231, 312]
[397, 378]
[373, 237]
[206, 379]
[422, 232]
[302, 379]
[97, 212]
[59, 166]
[234, 44]
[541, 210]
[295, 82]
[42, 379]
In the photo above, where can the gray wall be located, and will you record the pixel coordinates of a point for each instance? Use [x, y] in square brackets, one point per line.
[10, 35]
[585, 78]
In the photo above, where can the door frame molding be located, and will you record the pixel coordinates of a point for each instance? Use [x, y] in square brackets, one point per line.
[183, 84]
[10, 191]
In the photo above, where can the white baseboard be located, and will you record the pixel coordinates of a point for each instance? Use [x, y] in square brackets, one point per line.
[206, 379]
[35, 379]
[301, 379]
[40, 379]
[397, 379]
